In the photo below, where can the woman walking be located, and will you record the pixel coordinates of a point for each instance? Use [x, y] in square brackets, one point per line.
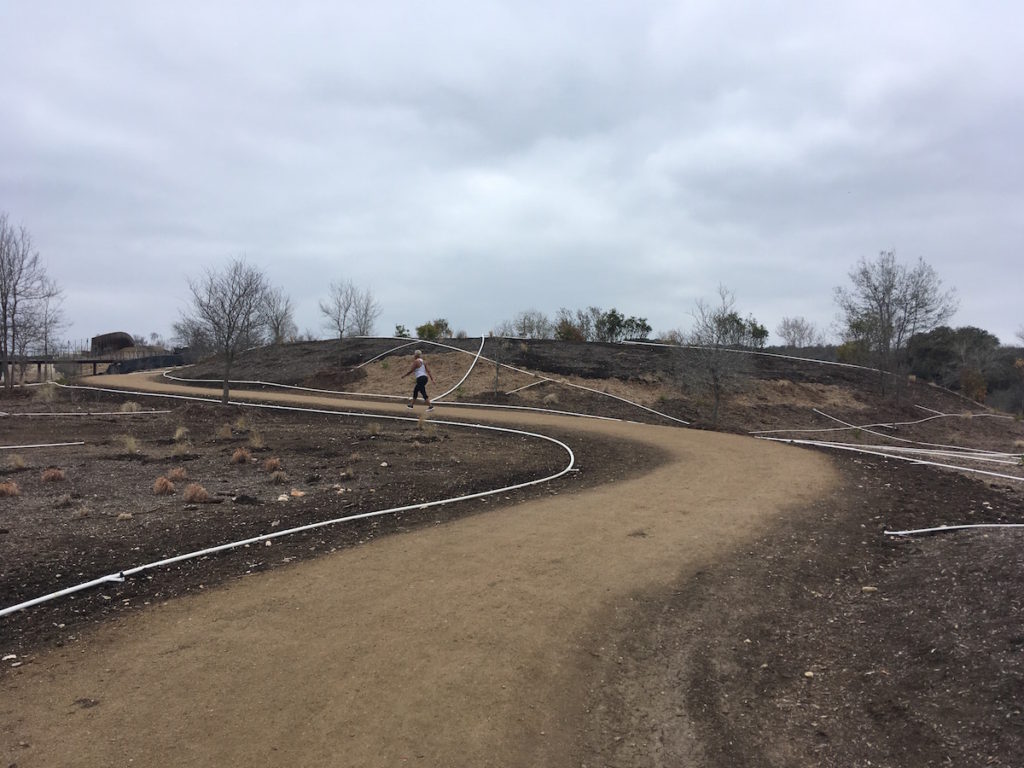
[422, 372]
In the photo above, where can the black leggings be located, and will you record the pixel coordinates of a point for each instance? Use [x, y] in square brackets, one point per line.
[421, 388]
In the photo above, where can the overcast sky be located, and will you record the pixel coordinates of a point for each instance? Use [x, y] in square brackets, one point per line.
[470, 160]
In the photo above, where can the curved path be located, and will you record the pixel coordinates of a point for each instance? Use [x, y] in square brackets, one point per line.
[467, 644]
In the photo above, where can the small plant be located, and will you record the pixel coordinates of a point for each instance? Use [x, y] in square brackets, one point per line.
[384, 365]
[177, 474]
[256, 440]
[65, 501]
[130, 407]
[130, 444]
[195, 494]
[182, 434]
[53, 475]
[374, 429]
[9, 488]
[278, 478]
[47, 393]
[17, 462]
[183, 448]
[241, 424]
[550, 399]
[272, 464]
[224, 433]
[163, 487]
[241, 456]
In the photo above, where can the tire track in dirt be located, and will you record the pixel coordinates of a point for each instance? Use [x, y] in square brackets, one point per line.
[466, 644]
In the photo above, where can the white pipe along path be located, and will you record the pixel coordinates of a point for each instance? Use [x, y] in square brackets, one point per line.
[123, 574]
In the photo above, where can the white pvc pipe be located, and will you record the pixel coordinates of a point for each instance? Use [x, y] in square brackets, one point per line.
[39, 445]
[121, 575]
[1008, 459]
[841, 447]
[944, 528]
[468, 370]
[901, 439]
[167, 375]
[87, 413]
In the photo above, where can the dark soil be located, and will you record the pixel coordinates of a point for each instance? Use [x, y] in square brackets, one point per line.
[824, 643]
[103, 515]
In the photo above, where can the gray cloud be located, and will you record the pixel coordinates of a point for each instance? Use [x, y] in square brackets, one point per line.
[471, 160]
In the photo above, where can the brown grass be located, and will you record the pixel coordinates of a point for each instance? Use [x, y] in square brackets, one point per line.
[177, 474]
[17, 462]
[272, 464]
[130, 407]
[241, 456]
[256, 441]
[163, 487]
[279, 478]
[53, 475]
[181, 434]
[129, 443]
[182, 448]
[9, 488]
[195, 494]
[224, 433]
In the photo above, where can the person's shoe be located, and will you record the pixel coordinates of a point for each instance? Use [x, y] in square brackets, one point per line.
[408, 405]
[430, 407]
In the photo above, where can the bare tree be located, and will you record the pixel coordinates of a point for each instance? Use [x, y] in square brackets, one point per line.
[887, 303]
[799, 332]
[227, 312]
[528, 324]
[716, 331]
[279, 314]
[365, 311]
[25, 294]
[338, 307]
[1020, 334]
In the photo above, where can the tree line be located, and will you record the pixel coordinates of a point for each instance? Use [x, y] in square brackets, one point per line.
[30, 301]
[892, 317]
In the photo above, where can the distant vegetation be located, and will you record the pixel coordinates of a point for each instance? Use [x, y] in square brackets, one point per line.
[893, 318]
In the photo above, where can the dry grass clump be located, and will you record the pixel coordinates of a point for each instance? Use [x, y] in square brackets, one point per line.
[279, 478]
[163, 487]
[241, 456]
[241, 423]
[272, 464]
[53, 475]
[256, 441]
[550, 399]
[16, 462]
[224, 433]
[9, 488]
[181, 434]
[130, 407]
[183, 448]
[374, 428]
[177, 474]
[47, 393]
[195, 494]
[1019, 445]
[129, 443]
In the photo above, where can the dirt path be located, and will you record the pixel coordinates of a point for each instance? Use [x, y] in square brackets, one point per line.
[467, 644]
